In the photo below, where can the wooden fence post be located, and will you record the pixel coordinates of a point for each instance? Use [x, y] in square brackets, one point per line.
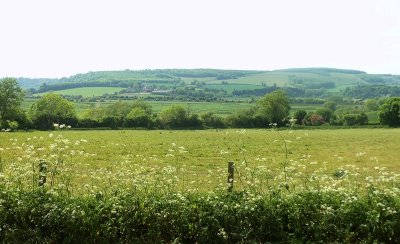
[42, 172]
[231, 170]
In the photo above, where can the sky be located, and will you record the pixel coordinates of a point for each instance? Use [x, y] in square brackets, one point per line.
[47, 38]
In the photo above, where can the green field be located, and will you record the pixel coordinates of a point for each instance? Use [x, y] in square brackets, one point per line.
[86, 91]
[112, 151]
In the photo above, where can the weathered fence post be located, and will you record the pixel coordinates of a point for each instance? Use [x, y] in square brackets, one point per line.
[42, 172]
[231, 170]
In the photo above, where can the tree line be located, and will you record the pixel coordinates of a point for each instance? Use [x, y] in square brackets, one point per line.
[53, 108]
[271, 108]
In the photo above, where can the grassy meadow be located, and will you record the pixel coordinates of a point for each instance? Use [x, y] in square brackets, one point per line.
[200, 151]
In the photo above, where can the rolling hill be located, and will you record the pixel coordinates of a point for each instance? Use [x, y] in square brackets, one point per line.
[299, 82]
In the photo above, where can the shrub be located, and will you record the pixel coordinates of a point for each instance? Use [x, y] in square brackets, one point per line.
[390, 112]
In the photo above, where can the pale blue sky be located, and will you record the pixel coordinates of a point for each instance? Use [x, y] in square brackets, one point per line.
[47, 38]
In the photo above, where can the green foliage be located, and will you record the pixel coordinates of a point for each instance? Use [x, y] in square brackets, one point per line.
[275, 106]
[326, 113]
[371, 91]
[13, 125]
[362, 119]
[217, 217]
[50, 109]
[389, 113]
[119, 109]
[11, 96]
[355, 119]
[173, 117]
[138, 117]
[94, 113]
[120, 114]
[211, 120]
[248, 118]
[371, 104]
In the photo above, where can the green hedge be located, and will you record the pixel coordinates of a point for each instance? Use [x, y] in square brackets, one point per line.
[215, 217]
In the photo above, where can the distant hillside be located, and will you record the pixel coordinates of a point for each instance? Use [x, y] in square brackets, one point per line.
[308, 82]
[131, 76]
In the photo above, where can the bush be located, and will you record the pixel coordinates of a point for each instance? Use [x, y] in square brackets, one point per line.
[326, 113]
[173, 117]
[355, 119]
[390, 112]
[50, 109]
[88, 123]
[211, 120]
[138, 117]
[112, 121]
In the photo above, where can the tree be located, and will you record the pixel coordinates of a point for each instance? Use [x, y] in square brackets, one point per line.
[390, 112]
[210, 119]
[119, 109]
[355, 119]
[275, 106]
[52, 108]
[326, 113]
[11, 96]
[243, 119]
[173, 117]
[138, 117]
[94, 113]
[142, 105]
